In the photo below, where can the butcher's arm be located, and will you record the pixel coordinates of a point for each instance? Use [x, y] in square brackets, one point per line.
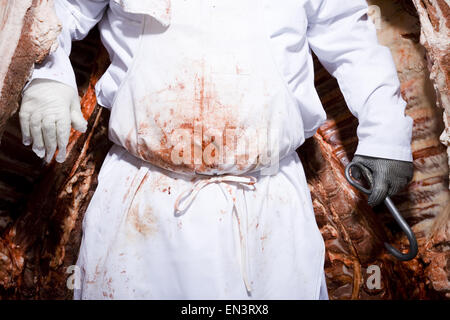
[50, 102]
[77, 17]
[344, 39]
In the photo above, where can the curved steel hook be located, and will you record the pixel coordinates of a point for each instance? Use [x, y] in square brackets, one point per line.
[413, 247]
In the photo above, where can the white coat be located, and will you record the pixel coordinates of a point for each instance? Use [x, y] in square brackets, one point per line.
[188, 214]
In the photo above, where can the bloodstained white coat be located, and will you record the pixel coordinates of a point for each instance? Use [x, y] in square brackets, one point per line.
[193, 74]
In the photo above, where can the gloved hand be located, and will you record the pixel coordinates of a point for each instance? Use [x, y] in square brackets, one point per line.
[389, 176]
[47, 111]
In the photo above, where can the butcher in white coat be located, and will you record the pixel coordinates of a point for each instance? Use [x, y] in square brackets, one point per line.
[202, 195]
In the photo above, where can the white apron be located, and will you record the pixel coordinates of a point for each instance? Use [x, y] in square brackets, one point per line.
[135, 246]
[219, 104]
[210, 201]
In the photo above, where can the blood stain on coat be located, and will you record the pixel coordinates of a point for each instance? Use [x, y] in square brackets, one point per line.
[194, 111]
[111, 290]
[169, 8]
[263, 239]
[142, 219]
[160, 182]
[96, 274]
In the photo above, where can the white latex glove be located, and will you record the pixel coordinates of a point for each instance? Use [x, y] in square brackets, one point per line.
[48, 109]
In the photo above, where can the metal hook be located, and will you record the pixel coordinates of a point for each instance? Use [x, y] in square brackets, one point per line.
[413, 248]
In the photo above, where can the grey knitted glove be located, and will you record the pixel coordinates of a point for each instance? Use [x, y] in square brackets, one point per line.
[389, 176]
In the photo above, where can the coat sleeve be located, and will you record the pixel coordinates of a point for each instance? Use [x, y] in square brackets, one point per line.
[77, 17]
[345, 41]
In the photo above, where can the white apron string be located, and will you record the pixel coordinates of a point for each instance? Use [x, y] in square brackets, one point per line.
[185, 199]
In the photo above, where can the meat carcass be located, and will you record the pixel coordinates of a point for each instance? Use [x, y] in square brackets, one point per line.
[435, 33]
[28, 32]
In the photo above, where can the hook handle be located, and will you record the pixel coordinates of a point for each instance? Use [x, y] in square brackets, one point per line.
[413, 247]
[354, 182]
